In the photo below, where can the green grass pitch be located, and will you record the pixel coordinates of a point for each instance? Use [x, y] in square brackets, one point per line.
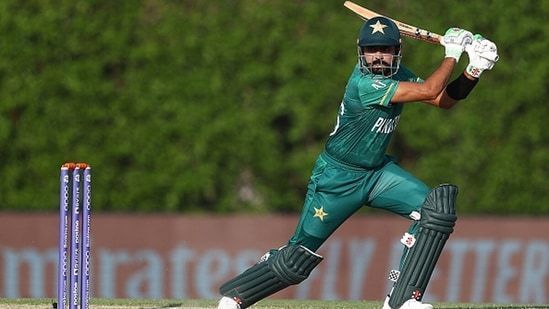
[265, 304]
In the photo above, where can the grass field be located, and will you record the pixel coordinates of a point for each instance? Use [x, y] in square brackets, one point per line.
[275, 304]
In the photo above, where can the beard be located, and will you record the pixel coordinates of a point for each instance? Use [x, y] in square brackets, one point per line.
[380, 67]
[379, 64]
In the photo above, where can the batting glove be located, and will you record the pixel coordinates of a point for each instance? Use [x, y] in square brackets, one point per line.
[454, 42]
[483, 55]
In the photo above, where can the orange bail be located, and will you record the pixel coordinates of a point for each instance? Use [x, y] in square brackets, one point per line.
[72, 165]
[82, 165]
[69, 165]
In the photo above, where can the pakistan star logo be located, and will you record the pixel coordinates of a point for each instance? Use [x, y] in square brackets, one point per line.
[319, 212]
[378, 27]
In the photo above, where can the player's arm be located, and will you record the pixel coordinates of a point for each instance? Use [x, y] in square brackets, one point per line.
[431, 91]
[428, 91]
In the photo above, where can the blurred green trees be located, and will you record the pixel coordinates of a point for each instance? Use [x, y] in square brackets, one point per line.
[223, 106]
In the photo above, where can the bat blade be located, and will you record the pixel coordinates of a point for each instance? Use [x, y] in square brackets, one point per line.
[405, 29]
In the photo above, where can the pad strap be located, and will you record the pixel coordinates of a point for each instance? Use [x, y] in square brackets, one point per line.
[284, 267]
[435, 226]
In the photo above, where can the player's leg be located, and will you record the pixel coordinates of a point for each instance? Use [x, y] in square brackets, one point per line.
[434, 217]
[398, 191]
[437, 221]
[331, 199]
[277, 269]
[328, 189]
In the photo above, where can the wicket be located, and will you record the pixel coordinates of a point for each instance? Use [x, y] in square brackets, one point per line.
[75, 188]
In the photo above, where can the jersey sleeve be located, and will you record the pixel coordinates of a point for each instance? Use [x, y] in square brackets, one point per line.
[376, 91]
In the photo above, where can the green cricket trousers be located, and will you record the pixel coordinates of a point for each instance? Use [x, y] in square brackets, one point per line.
[337, 190]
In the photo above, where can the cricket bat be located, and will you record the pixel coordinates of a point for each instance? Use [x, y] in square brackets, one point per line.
[405, 29]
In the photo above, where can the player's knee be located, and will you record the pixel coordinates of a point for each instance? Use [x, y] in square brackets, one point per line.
[293, 263]
[438, 211]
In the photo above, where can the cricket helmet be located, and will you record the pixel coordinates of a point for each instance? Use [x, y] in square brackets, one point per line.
[379, 31]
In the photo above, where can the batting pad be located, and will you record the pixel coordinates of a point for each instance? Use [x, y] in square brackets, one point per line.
[437, 222]
[284, 267]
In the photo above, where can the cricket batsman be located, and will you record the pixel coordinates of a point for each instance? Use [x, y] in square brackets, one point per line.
[354, 171]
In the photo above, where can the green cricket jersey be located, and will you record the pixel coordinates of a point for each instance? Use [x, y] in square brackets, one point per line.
[366, 118]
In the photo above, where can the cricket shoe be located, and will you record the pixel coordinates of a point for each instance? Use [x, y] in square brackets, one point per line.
[409, 304]
[227, 303]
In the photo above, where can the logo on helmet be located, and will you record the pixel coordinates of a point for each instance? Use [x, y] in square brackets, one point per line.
[378, 27]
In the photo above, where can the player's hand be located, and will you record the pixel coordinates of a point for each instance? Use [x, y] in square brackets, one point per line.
[483, 55]
[454, 42]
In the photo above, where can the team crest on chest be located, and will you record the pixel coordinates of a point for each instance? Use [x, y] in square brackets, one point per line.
[377, 84]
